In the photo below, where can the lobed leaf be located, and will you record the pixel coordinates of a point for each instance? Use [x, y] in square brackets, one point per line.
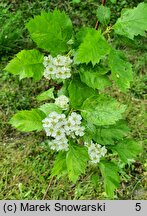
[80, 35]
[78, 92]
[47, 108]
[90, 131]
[59, 168]
[121, 69]
[102, 110]
[46, 95]
[108, 134]
[132, 22]
[111, 177]
[64, 89]
[93, 48]
[127, 149]
[27, 63]
[113, 1]
[28, 120]
[93, 79]
[103, 14]
[51, 31]
[76, 161]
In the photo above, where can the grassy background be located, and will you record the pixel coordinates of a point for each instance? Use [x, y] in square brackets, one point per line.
[26, 160]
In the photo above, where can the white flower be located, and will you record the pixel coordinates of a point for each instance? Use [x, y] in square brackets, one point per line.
[71, 134]
[68, 60]
[62, 61]
[58, 133]
[71, 122]
[59, 60]
[62, 101]
[92, 149]
[47, 60]
[53, 114]
[63, 73]
[95, 159]
[66, 75]
[47, 74]
[80, 131]
[95, 151]
[75, 118]
[62, 116]
[55, 120]
[59, 125]
[63, 144]
[49, 131]
[46, 122]
[53, 144]
[51, 69]
[67, 126]
[73, 127]
[103, 151]
[59, 145]
[57, 68]
[59, 128]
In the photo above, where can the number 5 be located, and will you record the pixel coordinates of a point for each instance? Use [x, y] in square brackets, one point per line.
[138, 207]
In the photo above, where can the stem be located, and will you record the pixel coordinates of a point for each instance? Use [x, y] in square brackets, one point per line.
[97, 22]
[50, 182]
[108, 30]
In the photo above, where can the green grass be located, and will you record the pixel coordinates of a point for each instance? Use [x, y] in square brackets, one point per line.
[26, 159]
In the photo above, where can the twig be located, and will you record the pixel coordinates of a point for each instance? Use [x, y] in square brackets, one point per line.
[103, 2]
[97, 25]
[50, 182]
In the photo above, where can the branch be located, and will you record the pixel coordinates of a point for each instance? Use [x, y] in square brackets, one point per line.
[103, 2]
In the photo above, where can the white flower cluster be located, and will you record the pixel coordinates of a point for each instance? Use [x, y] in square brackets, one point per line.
[57, 68]
[73, 126]
[95, 151]
[59, 127]
[62, 101]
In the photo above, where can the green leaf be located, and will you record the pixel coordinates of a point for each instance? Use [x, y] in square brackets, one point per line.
[90, 131]
[132, 22]
[64, 89]
[121, 69]
[108, 134]
[111, 177]
[80, 35]
[95, 180]
[113, 1]
[93, 79]
[78, 92]
[100, 69]
[76, 161]
[47, 108]
[103, 14]
[51, 31]
[127, 149]
[59, 168]
[27, 63]
[28, 120]
[46, 95]
[102, 110]
[93, 48]
[76, 1]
